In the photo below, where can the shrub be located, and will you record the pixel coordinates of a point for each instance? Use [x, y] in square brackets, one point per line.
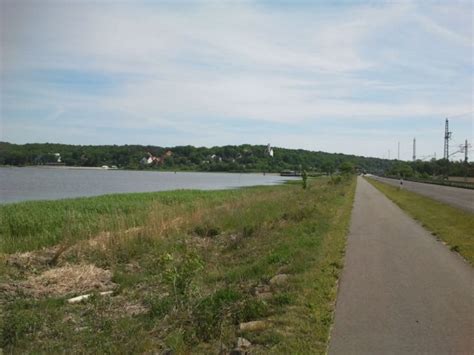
[178, 274]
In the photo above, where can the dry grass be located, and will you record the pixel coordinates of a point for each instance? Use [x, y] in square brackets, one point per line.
[64, 281]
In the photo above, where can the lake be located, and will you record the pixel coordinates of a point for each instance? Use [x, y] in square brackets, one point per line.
[42, 183]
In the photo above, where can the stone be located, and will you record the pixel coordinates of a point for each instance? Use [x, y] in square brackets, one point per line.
[253, 326]
[243, 343]
[278, 280]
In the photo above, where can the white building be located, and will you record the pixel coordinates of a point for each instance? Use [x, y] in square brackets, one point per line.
[269, 150]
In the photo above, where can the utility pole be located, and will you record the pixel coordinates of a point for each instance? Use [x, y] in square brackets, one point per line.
[414, 149]
[398, 154]
[447, 137]
[466, 149]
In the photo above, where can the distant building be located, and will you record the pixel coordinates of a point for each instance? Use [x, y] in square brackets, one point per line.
[269, 150]
[216, 157]
[150, 159]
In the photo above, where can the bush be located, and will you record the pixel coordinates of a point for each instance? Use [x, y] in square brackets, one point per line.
[335, 180]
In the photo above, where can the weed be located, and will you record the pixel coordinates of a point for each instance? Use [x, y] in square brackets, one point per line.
[335, 180]
[179, 273]
[304, 177]
[19, 322]
[159, 306]
[210, 313]
[248, 231]
[277, 258]
[252, 309]
[269, 339]
[207, 231]
[282, 299]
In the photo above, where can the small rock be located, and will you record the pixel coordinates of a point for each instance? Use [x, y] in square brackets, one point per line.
[279, 279]
[253, 326]
[243, 343]
[261, 289]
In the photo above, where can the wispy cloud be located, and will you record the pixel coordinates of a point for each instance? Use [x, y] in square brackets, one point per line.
[168, 72]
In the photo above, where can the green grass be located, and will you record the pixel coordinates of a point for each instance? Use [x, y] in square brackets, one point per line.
[28, 226]
[452, 225]
[191, 265]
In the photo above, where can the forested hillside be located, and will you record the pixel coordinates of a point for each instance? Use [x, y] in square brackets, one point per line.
[227, 158]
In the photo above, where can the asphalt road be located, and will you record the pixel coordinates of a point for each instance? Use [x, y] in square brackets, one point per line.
[454, 196]
[401, 291]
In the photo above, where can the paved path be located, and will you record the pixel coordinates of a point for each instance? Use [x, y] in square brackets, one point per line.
[454, 196]
[401, 291]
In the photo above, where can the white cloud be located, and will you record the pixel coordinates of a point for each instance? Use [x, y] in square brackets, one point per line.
[182, 65]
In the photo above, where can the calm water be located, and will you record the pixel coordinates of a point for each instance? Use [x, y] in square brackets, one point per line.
[21, 184]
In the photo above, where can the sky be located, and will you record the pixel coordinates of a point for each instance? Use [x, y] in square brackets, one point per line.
[353, 77]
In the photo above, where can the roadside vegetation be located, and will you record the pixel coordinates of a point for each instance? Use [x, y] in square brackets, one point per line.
[189, 271]
[453, 226]
[433, 170]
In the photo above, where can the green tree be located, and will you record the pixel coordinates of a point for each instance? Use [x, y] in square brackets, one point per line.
[346, 168]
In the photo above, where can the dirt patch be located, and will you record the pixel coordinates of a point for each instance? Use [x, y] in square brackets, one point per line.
[33, 259]
[63, 281]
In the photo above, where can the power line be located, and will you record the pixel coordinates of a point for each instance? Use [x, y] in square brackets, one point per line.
[462, 114]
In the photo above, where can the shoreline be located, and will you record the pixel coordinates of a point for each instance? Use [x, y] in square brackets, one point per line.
[53, 167]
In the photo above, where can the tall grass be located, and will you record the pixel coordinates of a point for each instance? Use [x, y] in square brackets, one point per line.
[191, 261]
[29, 226]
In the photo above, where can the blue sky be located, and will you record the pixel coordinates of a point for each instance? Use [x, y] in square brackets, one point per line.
[342, 76]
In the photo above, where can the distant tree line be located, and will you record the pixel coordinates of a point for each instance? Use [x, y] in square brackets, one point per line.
[242, 158]
[428, 169]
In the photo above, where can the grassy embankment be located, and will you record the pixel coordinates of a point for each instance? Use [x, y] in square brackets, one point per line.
[453, 226]
[186, 268]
